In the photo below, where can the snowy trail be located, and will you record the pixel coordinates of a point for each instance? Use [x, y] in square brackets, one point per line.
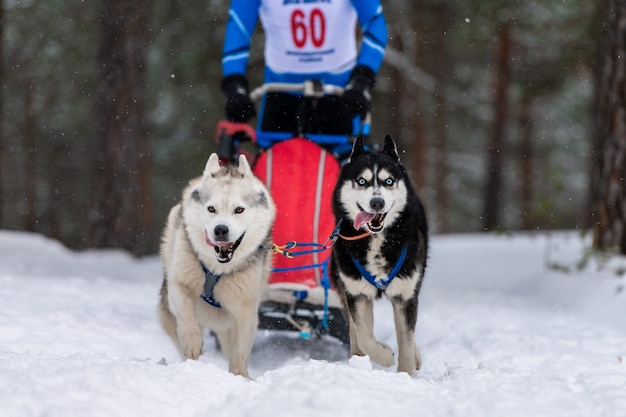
[499, 333]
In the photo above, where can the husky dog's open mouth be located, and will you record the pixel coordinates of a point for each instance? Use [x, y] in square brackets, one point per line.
[373, 221]
[225, 250]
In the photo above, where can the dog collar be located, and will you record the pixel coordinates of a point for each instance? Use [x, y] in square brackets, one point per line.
[210, 281]
[383, 283]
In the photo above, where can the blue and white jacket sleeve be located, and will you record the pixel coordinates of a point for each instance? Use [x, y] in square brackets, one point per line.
[242, 18]
[374, 28]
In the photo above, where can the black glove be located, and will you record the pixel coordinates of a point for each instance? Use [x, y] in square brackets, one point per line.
[238, 106]
[356, 95]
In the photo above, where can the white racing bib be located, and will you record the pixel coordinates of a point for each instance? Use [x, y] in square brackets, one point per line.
[309, 36]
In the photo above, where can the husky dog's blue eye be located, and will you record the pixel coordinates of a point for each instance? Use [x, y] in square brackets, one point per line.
[239, 210]
[361, 181]
[211, 209]
[389, 182]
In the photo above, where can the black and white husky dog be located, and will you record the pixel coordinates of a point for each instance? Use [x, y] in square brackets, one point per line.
[381, 249]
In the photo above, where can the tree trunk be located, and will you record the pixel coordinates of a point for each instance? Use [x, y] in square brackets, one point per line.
[495, 148]
[29, 143]
[407, 119]
[410, 99]
[2, 138]
[122, 213]
[440, 61]
[415, 137]
[609, 132]
[525, 162]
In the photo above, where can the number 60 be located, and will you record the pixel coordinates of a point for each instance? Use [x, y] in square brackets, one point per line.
[316, 28]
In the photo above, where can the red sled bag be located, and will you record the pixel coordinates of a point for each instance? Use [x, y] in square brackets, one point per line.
[301, 177]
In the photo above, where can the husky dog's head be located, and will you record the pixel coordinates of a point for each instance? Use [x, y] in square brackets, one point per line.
[372, 187]
[232, 209]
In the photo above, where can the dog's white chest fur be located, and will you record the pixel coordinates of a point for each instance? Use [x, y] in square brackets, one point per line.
[401, 286]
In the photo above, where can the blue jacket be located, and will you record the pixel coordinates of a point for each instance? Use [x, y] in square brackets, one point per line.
[305, 39]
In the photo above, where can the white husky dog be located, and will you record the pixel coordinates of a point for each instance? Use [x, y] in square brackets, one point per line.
[216, 262]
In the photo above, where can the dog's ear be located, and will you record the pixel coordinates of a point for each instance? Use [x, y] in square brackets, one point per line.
[390, 148]
[244, 167]
[358, 147]
[212, 165]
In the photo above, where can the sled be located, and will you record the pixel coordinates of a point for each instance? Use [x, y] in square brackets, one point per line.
[301, 176]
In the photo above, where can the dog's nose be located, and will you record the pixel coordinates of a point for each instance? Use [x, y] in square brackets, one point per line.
[377, 203]
[221, 232]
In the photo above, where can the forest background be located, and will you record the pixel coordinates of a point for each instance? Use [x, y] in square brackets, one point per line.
[108, 108]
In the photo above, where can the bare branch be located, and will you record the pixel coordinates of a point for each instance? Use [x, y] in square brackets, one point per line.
[410, 71]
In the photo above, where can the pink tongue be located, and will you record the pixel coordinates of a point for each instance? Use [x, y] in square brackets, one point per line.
[361, 219]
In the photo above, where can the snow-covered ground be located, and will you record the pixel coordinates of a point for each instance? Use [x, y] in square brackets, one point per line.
[508, 326]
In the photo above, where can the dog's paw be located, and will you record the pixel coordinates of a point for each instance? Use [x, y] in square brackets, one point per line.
[418, 359]
[191, 344]
[192, 351]
[382, 355]
[410, 362]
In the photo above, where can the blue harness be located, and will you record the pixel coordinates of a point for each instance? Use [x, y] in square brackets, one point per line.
[383, 283]
[210, 281]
